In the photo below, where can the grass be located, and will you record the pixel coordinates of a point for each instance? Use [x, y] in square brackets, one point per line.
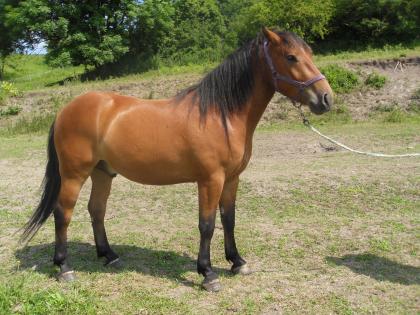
[20, 297]
[386, 52]
[30, 72]
[324, 230]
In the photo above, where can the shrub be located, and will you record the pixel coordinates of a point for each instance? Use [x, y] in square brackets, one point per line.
[10, 111]
[375, 80]
[340, 79]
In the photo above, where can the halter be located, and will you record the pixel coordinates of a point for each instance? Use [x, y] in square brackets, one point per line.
[300, 85]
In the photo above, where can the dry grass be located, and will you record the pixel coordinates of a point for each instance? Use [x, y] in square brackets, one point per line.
[326, 232]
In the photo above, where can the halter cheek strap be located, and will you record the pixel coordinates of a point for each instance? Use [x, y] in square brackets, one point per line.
[301, 85]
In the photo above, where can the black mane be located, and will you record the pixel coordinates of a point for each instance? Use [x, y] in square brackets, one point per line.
[228, 86]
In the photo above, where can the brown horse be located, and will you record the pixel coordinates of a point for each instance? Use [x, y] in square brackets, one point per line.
[202, 135]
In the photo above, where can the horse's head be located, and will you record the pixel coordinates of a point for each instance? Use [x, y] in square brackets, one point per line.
[293, 72]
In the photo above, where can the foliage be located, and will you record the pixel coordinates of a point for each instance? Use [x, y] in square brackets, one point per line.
[302, 17]
[340, 79]
[91, 34]
[10, 111]
[9, 35]
[7, 89]
[376, 20]
[97, 34]
[376, 80]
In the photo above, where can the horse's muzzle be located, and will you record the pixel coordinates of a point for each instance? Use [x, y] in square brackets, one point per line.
[323, 104]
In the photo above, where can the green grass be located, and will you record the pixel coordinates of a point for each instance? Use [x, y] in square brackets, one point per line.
[20, 297]
[386, 52]
[30, 72]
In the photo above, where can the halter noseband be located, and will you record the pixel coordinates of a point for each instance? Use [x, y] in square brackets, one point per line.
[301, 85]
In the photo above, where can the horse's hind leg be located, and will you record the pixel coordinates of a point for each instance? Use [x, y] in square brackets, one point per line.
[101, 187]
[69, 192]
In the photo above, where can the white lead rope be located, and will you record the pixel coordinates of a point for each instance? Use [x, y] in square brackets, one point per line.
[308, 124]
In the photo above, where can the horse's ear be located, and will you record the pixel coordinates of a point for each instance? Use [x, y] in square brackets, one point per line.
[271, 36]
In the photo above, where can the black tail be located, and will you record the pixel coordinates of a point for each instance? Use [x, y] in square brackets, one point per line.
[51, 188]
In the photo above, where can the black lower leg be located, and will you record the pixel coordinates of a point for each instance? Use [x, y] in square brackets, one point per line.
[206, 227]
[102, 246]
[60, 255]
[231, 252]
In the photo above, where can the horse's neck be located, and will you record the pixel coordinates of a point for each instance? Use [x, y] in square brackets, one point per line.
[257, 104]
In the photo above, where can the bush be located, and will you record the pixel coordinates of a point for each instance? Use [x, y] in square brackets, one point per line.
[10, 111]
[340, 79]
[376, 80]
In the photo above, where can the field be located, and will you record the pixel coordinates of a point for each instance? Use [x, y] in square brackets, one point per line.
[325, 231]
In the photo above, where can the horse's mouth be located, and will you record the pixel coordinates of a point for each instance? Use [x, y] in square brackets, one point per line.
[318, 109]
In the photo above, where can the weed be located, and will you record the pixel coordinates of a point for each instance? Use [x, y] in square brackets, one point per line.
[340, 79]
[380, 245]
[376, 80]
[37, 123]
[397, 115]
[385, 108]
[10, 111]
[416, 94]
[414, 107]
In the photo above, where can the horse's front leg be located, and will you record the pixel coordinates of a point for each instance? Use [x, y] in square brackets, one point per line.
[209, 196]
[227, 212]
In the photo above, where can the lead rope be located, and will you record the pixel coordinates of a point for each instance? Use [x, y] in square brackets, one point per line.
[308, 124]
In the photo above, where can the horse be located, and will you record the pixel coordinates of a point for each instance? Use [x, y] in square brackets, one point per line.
[202, 135]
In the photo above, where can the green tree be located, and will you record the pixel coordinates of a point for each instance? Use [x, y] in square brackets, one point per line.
[377, 21]
[199, 30]
[9, 35]
[90, 33]
[154, 27]
[306, 18]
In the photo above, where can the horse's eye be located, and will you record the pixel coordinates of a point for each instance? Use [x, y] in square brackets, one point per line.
[291, 58]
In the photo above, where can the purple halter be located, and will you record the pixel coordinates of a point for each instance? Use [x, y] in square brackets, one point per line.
[301, 85]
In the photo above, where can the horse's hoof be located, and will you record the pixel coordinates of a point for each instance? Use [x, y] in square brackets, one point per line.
[116, 263]
[67, 276]
[242, 270]
[212, 285]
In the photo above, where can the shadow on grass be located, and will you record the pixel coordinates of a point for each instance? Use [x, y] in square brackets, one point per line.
[379, 268]
[82, 257]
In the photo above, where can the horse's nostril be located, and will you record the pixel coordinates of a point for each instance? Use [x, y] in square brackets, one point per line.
[326, 101]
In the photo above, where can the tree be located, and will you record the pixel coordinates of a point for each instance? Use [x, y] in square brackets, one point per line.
[377, 21]
[9, 35]
[302, 17]
[90, 33]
